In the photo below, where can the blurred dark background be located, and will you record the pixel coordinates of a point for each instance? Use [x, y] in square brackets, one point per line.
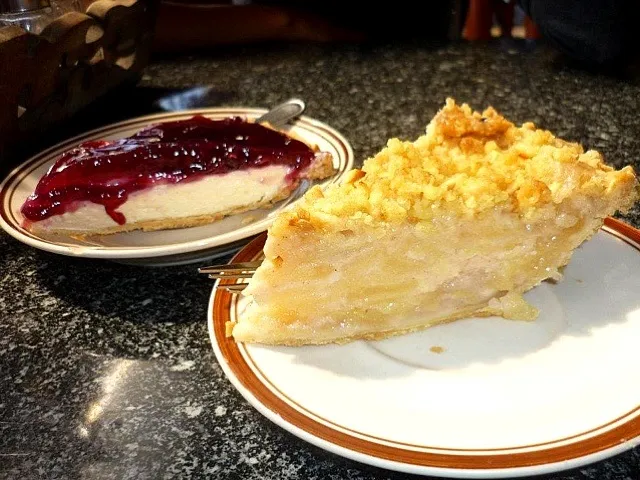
[594, 33]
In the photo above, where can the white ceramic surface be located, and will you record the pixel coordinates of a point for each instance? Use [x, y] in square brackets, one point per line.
[166, 247]
[476, 398]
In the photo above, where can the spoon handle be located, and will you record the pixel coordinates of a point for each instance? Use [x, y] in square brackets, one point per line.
[281, 114]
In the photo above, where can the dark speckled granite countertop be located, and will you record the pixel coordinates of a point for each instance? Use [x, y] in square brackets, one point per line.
[70, 328]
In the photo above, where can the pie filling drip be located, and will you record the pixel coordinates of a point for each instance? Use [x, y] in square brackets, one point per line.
[107, 172]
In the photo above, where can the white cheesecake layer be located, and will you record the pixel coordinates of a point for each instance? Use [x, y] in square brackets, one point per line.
[209, 196]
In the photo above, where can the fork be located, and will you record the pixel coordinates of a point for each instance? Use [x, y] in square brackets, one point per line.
[232, 271]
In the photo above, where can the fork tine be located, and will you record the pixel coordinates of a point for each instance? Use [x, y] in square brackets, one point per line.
[231, 275]
[234, 288]
[231, 268]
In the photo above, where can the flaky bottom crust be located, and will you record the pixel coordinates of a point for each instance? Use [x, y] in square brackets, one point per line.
[477, 311]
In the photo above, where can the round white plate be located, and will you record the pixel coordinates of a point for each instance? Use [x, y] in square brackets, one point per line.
[475, 398]
[165, 247]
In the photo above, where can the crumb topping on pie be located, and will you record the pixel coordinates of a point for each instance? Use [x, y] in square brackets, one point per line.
[467, 163]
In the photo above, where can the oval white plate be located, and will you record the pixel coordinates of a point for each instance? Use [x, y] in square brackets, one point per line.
[165, 247]
[496, 398]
